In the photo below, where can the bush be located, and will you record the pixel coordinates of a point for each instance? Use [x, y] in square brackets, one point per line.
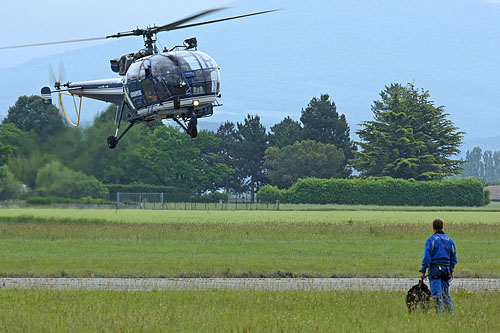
[54, 179]
[381, 191]
[10, 187]
[42, 201]
[269, 194]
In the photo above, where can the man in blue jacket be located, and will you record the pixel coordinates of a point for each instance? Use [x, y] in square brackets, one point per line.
[440, 256]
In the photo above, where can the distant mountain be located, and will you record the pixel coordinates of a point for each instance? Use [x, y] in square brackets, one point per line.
[273, 64]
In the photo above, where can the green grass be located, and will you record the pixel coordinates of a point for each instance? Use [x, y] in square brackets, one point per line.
[199, 216]
[227, 310]
[222, 249]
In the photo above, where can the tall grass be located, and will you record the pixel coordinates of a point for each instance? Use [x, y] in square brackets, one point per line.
[222, 249]
[228, 310]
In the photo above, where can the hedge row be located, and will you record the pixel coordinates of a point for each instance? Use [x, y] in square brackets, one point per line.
[170, 193]
[383, 192]
[41, 201]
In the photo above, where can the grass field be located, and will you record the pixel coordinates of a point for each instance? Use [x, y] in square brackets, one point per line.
[134, 243]
[241, 311]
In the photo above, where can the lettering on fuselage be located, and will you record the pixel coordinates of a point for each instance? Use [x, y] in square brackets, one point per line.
[135, 93]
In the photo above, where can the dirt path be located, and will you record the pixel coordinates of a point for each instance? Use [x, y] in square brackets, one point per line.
[402, 284]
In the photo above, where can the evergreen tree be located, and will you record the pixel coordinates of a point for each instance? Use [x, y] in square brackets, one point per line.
[408, 138]
[322, 123]
[285, 133]
[228, 155]
[251, 144]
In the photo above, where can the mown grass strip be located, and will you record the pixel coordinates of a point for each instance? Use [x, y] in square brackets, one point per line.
[169, 216]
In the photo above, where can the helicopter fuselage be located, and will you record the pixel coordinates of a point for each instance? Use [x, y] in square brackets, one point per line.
[163, 85]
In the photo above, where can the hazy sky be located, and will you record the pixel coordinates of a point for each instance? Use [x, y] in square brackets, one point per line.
[33, 21]
[274, 64]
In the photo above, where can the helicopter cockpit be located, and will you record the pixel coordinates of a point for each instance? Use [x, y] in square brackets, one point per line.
[168, 76]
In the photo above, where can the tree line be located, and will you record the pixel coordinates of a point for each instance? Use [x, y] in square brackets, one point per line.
[409, 138]
[482, 165]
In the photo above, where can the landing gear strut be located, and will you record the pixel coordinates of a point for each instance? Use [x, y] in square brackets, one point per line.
[113, 139]
[192, 126]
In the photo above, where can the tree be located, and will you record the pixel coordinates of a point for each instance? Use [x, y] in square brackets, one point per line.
[226, 151]
[4, 157]
[301, 160]
[22, 143]
[251, 144]
[30, 113]
[408, 138]
[170, 157]
[482, 165]
[474, 166]
[285, 133]
[323, 123]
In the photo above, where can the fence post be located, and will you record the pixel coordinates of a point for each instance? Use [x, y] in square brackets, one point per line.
[117, 200]
[162, 203]
[277, 205]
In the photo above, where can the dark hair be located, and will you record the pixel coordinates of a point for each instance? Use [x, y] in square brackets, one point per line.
[437, 224]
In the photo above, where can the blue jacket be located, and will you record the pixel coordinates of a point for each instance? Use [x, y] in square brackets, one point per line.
[436, 252]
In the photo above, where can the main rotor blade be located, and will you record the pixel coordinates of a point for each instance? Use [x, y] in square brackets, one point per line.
[52, 43]
[172, 25]
[220, 20]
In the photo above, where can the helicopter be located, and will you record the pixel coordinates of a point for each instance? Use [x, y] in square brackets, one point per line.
[181, 83]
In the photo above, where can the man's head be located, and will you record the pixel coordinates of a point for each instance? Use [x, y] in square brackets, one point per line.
[437, 225]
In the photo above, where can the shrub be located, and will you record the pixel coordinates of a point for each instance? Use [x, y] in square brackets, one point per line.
[269, 194]
[10, 187]
[54, 179]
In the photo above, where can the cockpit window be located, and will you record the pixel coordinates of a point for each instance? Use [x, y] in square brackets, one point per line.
[162, 65]
[133, 71]
[186, 60]
[149, 92]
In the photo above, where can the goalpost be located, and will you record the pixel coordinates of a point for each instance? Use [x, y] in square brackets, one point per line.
[139, 200]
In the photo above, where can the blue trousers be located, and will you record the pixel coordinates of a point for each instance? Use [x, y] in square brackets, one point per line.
[440, 284]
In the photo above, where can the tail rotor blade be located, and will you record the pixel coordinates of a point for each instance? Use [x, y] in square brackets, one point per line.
[52, 77]
[62, 72]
